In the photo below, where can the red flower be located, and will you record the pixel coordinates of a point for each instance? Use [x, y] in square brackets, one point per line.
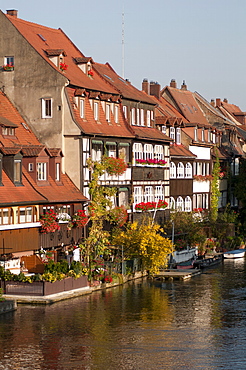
[115, 166]
[90, 73]
[63, 66]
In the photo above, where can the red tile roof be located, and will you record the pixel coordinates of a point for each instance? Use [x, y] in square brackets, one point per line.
[45, 38]
[150, 133]
[124, 87]
[187, 105]
[181, 151]
[91, 127]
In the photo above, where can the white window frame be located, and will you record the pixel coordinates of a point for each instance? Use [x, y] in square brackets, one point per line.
[148, 151]
[180, 204]
[42, 171]
[188, 170]
[187, 204]
[9, 60]
[195, 133]
[172, 133]
[107, 112]
[58, 171]
[172, 203]
[125, 111]
[30, 167]
[203, 136]
[142, 117]
[158, 152]
[82, 108]
[178, 135]
[148, 118]
[47, 107]
[133, 117]
[96, 110]
[138, 117]
[148, 194]
[116, 113]
[138, 194]
[96, 151]
[137, 151]
[180, 170]
[164, 129]
[173, 172]
[159, 193]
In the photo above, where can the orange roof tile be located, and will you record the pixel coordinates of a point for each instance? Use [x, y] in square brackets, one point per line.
[91, 127]
[187, 105]
[45, 38]
[181, 151]
[125, 88]
[150, 134]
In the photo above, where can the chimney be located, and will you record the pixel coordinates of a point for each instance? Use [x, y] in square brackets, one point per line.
[173, 83]
[145, 86]
[155, 89]
[218, 102]
[212, 102]
[183, 86]
[225, 100]
[13, 12]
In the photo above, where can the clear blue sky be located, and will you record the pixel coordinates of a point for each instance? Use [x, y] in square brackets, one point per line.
[200, 41]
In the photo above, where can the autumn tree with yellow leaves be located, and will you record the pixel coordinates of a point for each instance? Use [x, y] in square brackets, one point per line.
[145, 241]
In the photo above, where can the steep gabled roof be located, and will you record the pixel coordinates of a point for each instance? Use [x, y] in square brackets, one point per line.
[48, 42]
[91, 127]
[186, 104]
[124, 87]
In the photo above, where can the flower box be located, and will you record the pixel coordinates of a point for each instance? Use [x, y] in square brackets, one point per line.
[151, 162]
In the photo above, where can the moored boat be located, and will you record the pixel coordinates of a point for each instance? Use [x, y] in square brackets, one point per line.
[237, 253]
[208, 262]
[185, 265]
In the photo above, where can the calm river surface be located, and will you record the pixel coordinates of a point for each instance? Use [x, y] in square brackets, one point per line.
[196, 324]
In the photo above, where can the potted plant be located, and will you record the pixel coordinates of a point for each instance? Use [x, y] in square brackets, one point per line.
[115, 166]
[8, 67]
[48, 222]
[63, 67]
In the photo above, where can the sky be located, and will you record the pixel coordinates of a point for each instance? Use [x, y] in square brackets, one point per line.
[201, 42]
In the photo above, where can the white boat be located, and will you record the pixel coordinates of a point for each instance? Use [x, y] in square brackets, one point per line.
[237, 253]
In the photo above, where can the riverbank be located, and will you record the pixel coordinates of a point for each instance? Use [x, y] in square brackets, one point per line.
[53, 298]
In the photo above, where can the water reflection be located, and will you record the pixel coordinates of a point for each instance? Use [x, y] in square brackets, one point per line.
[196, 324]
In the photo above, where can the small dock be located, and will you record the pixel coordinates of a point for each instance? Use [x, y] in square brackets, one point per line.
[176, 274]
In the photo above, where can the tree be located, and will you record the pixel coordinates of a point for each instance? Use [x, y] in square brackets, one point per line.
[215, 192]
[145, 241]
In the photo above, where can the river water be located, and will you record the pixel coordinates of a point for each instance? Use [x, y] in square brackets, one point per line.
[195, 324]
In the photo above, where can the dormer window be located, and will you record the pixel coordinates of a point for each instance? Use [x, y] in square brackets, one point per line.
[56, 56]
[8, 131]
[164, 129]
[96, 111]
[195, 133]
[116, 114]
[172, 133]
[82, 108]
[17, 171]
[58, 169]
[108, 112]
[42, 171]
[178, 136]
[30, 167]
[202, 134]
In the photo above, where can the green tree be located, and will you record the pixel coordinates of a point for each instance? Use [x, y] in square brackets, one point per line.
[215, 192]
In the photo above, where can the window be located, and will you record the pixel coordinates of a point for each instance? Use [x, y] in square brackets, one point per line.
[137, 151]
[148, 118]
[42, 171]
[96, 150]
[64, 209]
[209, 135]
[17, 171]
[148, 151]
[195, 133]
[30, 167]
[9, 61]
[188, 205]
[138, 194]
[236, 166]
[202, 134]
[172, 171]
[142, 117]
[180, 170]
[82, 108]
[111, 149]
[125, 111]
[159, 193]
[164, 129]
[58, 171]
[172, 133]
[47, 108]
[158, 152]
[25, 214]
[6, 216]
[172, 203]
[180, 204]
[133, 116]
[148, 194]
[108, 112]
[188, 170]
[123, 197]
[138, 117]
[124, 151]
[152, 115]
[96, 111]
[8, 131]
[116, 114]
[178, 135]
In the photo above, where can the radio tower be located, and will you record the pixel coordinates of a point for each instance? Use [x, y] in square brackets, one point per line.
[123, 42]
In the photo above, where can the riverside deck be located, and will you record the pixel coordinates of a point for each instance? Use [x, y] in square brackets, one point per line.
[177, 274]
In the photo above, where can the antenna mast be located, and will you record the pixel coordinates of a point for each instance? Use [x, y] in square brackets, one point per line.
[123, 42]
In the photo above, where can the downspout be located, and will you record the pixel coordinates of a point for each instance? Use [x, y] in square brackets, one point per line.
[63, 125]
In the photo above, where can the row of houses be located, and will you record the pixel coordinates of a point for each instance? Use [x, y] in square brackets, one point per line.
[58, 108]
